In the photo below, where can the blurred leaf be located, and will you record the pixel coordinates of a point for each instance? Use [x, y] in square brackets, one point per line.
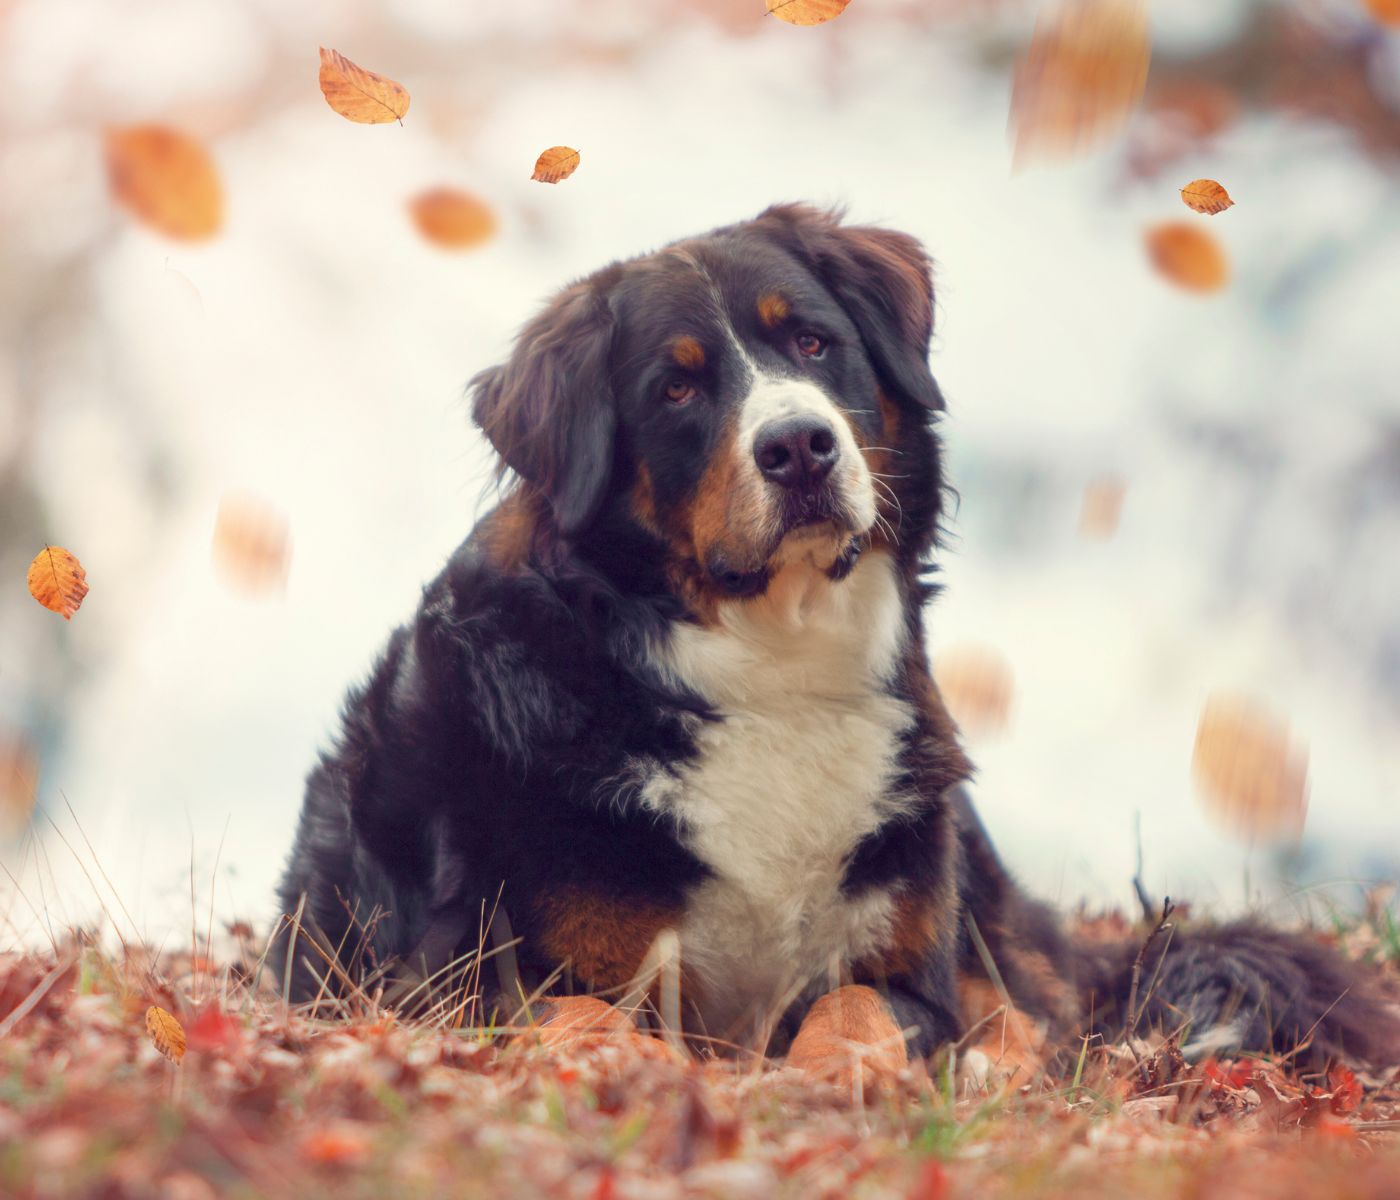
[1206, 196]
[1249, 771]
[806, 12]
[1387, 12]
[19, 782]
[359, 95]
[252, 544]
[166, 1033]
[977, 685]
[1081, 77]
[1188, 255]
[57, 581]
[1102, 508]
[555, 164]
[166, 179]
[453, 219]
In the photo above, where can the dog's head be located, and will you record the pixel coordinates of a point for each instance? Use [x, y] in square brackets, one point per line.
[748, 397]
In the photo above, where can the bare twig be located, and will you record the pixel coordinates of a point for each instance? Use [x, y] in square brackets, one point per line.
[1162, 926]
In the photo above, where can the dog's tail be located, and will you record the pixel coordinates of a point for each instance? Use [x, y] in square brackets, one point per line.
[1225, 988]
[1241, 987]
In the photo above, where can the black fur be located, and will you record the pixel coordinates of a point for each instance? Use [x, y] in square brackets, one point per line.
[492, 764]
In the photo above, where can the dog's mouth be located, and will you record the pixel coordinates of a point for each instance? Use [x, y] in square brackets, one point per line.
[818, 526]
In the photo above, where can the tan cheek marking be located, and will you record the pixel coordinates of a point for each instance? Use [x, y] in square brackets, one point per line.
[644, 501]
[603, 940]
[710, 512]
[688, 353]
[772, 309]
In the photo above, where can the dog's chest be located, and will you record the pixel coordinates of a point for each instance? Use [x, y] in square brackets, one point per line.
[801, 765]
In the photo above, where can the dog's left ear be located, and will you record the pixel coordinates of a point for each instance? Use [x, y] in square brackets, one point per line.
[882, 278]
[549, 409]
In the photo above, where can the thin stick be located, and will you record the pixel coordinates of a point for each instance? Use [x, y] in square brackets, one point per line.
[1157, 930]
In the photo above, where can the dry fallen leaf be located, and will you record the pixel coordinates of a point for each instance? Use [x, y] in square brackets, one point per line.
[977, 686]
[359, 95]
[1081, 77]
[1206, 196]
[57, 581]
[806, 12]
[1250, 771]
[453, 219]
[166, 179]
[1102, 508]
[19, 783]
[1188, 255]
[166, 1033]
[1387, 12]
[252, 544]
[555, 164]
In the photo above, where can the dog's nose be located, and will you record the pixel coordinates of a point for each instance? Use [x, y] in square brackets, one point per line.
[796, 452]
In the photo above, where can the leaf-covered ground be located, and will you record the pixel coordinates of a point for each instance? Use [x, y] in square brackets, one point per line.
[269, 1103]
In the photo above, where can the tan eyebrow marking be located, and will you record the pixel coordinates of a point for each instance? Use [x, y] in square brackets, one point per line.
[772, 309]
[688, 353]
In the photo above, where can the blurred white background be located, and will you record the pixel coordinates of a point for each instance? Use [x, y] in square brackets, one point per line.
[314, 353]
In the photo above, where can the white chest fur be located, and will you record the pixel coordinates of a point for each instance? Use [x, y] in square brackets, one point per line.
[800, 767]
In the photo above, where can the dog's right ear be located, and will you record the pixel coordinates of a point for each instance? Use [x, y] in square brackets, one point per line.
[549, 409]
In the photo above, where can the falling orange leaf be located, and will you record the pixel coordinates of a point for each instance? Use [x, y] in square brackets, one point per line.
[1081, 77]
[19, 783]
[1387, 12]
[1102, 508]
[1206, 196]
[338, 1144]
[556, 164]
[453, 219]
[252, 544]
[166, 179]
[57, 581]
[806, 12]
[359, 95]
[1188, 255]
[1250, 772]
[167, 1035]
[977, 685]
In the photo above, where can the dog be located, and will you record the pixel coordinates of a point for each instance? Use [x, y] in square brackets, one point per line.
[673, 691]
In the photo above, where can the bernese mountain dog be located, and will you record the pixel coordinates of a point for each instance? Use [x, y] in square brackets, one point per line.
[671, 702]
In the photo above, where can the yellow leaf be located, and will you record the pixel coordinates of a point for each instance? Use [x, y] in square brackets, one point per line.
[252, 544]
[167, 1034]
[1387, 12]
[359, 95]
[1081, 77]
[977, 686]
[1187, 255]
[1250, 772]
[19, 783]
[451, 218]
[555, 164]
[1206, 196]
[806, 12]
[57, 581]
[166, 179]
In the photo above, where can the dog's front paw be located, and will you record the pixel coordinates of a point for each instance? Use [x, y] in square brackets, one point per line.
[849, 1038]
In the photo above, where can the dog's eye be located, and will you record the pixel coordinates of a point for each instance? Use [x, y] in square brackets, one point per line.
[680, 391]
[810, 345]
